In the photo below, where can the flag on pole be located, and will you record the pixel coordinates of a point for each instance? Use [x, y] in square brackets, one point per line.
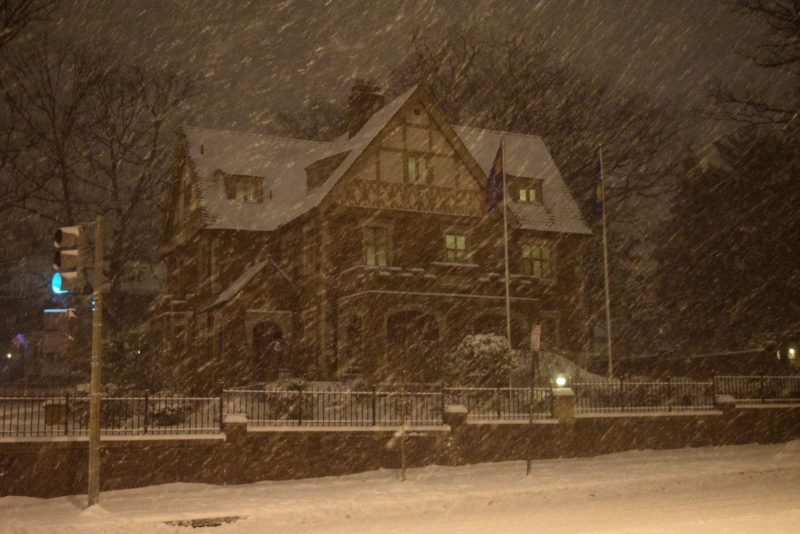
[494, 185]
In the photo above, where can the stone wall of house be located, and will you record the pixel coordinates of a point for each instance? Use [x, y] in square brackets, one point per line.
[52, 468]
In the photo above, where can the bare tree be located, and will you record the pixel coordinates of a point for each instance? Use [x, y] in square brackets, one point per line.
[87, 134]
[517, 83]
[778, 52]
[16, 15]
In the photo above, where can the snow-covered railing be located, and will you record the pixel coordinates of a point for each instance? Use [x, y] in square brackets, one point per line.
[68, 415]
[749, 390]
[622, 396]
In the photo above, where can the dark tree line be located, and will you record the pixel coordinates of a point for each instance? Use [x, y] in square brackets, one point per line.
[729, 272]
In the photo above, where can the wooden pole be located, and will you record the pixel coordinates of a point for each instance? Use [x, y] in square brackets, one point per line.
[97, 349]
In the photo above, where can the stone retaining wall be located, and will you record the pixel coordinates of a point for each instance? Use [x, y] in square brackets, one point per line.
[52, 468]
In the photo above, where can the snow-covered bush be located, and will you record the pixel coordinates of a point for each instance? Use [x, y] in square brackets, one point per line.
[479, 360]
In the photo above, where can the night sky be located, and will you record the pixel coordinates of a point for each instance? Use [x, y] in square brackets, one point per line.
[255, 58]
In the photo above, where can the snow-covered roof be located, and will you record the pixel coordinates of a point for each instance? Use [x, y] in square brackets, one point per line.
[528, 156]
[282, 163]
[232, 290]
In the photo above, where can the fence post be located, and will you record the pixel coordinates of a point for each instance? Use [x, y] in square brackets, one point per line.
[66, 414]
[622, 393]
[669, 393]
[763, 399]
[713, 389]
[221, 409]
[497, 399]
[146, 407]
[444, 402]
[374, 405]
[300, 405]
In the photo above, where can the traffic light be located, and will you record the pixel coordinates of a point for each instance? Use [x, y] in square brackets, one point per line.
[68, 260]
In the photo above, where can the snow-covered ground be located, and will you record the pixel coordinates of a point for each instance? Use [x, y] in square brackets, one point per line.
[750, 488]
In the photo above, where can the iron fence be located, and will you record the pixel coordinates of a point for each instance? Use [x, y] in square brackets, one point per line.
[383, 405]
[642, 397]
[497, 404]
[335, 407]
[68, 415]
[749, 390]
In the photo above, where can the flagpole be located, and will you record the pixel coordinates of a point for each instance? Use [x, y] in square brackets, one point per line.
[605, 266]
[505, 239]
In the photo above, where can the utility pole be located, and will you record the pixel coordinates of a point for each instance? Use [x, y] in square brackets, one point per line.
[97, 352]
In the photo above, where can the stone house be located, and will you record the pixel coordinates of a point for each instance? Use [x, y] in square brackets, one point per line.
[364, 256]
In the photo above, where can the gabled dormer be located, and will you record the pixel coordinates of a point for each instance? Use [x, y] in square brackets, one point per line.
[245, 188]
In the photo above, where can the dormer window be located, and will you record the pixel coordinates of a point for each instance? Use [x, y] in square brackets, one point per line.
[246, 191]
[530, 193]
[249, 189]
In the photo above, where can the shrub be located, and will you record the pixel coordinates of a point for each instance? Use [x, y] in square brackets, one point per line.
[479, 360]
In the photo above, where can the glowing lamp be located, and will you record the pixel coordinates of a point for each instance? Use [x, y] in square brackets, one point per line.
[561, 381]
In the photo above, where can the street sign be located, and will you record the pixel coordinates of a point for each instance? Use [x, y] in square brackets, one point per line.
[536, 337]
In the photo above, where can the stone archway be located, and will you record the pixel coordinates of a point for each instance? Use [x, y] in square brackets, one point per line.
[412, 340]
[269, 351]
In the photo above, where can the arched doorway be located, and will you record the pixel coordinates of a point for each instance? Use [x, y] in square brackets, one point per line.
[269, 355]
[412, 339]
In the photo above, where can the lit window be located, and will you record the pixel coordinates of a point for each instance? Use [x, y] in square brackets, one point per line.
[246, 191]
[455, 247]
[417, 171]
[376, 246]
[249, 189]
[537, 260]
[530, 194]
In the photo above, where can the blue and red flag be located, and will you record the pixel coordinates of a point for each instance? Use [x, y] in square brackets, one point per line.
[494, 185]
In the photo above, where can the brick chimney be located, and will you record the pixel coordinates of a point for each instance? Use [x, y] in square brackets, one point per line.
[365, 99]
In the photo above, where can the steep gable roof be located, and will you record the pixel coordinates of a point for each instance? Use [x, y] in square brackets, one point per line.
[282, 163]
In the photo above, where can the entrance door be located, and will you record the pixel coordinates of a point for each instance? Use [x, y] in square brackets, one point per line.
[269, 357]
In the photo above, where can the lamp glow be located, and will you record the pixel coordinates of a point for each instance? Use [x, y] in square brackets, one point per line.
[8, 355]
[561, 381]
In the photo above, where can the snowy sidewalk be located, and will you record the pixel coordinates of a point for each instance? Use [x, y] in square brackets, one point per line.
[750, 488]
